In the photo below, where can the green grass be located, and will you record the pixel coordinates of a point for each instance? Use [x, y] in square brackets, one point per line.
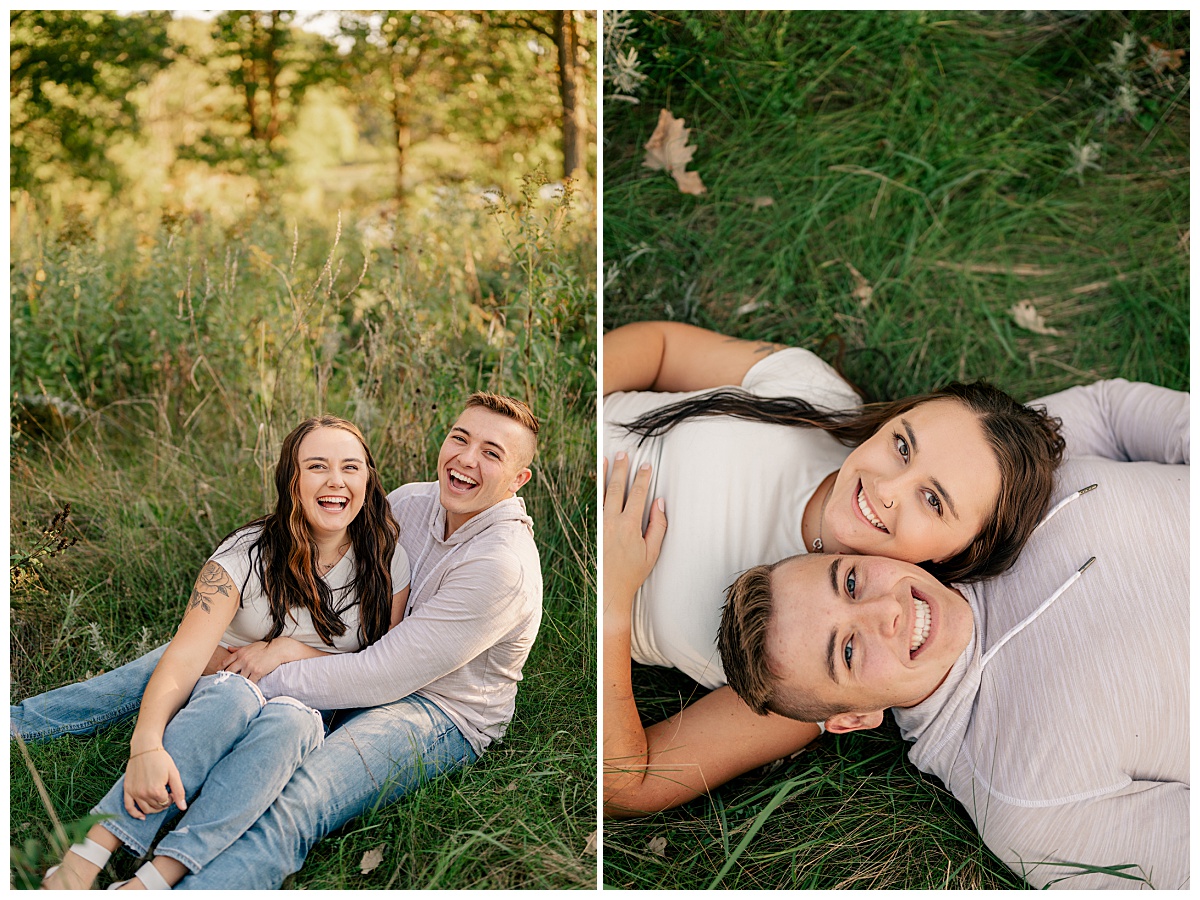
[930, 153]
[224, 339]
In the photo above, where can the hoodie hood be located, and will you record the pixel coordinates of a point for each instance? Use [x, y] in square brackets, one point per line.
[510, 510]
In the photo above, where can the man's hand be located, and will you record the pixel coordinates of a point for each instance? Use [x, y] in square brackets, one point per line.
[629, 555]
[257, 660]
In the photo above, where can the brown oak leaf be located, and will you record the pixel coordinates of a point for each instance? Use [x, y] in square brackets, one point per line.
[1159, 57]
[371, 859]
[668, 149]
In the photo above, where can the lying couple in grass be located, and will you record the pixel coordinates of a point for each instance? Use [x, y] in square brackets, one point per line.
[260, 698]
[1047, 688]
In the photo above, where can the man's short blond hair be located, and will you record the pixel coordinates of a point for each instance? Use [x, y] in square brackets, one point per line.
[511, 408]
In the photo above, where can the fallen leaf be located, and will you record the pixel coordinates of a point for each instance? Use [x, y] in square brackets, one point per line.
[1026, 316]
[1159, 57]
[689, 182]
[371, 859]
[760, 202]
[589, 849]
[658, 846]
[668, 149]
[862, 288]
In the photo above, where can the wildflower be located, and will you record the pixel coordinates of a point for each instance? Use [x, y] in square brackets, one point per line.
[1085, 157]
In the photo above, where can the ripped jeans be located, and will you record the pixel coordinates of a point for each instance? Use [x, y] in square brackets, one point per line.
[372, 757]
[240, 748]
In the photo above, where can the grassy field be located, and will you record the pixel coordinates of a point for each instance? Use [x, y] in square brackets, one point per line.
[155, 371]
[885, 189]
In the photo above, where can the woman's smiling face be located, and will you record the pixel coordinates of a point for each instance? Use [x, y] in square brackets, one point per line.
[332, 481]
[921, 488]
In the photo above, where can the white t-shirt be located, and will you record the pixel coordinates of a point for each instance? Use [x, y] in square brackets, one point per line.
[735, 493]
[252, 621]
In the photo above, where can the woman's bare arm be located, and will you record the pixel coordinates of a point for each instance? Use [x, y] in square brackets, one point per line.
[399, 602]
[151, 778]
[711, 741]
[672, 356]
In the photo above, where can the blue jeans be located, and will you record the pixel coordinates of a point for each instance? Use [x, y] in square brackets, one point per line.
[236, 745]
[370, 760]
[86, 706]
[374, 757]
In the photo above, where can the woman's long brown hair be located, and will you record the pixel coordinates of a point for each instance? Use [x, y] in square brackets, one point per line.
[1026, 441]
[285, 555]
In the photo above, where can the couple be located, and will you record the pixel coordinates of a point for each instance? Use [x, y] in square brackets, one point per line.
[1047, 689]
[276, 615]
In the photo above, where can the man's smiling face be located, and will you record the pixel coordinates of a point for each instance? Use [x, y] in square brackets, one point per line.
[862, 633]
[483, 460]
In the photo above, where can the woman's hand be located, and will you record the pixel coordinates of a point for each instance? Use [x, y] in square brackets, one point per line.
[629, 555]
[260, 659]
[152, 783]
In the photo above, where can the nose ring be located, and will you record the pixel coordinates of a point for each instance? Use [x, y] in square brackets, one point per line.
[888, 505]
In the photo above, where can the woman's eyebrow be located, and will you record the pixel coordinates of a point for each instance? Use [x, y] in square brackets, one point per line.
[912, 444]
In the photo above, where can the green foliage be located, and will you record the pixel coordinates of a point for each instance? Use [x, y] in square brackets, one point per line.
[270, 64]
[229, 335]
[926, 157]
[70, 75]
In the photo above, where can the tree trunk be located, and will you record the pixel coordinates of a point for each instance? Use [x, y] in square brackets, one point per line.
[566, 39]
[250, 77]
[399, 121]
[271, 62]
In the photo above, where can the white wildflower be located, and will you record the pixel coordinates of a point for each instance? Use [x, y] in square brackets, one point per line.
[1125, 102]
[621, 71]
[1084, 157]
[1122, 50]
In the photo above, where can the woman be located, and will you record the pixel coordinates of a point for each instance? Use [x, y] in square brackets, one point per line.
[316, 576]
[956, 480]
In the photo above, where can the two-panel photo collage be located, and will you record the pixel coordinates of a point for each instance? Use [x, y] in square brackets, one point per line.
[599, 449]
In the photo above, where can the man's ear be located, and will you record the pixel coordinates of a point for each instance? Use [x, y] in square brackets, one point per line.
[521, 480]
[843, 722]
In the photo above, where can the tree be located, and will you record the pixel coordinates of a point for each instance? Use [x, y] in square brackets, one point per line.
[562, 28]
[270, 63]
[71, 72]
[400, 48]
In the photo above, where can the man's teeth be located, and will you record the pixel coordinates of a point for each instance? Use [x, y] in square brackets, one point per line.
[866, 511]
[921, 622]
[458, 476]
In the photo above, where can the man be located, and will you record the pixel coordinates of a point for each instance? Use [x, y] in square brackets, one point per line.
[438, 688]
[1052, 700]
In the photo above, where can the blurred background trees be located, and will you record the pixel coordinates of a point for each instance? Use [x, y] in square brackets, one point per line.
[360, 105]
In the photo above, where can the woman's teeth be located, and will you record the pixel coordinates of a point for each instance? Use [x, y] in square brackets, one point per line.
[865, 508]
[921, 623]
[332, 502]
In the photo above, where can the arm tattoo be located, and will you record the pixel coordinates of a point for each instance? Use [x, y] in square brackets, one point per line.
[764, 348]
[213, 580]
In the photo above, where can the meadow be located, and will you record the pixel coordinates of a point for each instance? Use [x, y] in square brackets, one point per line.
[157, 363]
[918, 197]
